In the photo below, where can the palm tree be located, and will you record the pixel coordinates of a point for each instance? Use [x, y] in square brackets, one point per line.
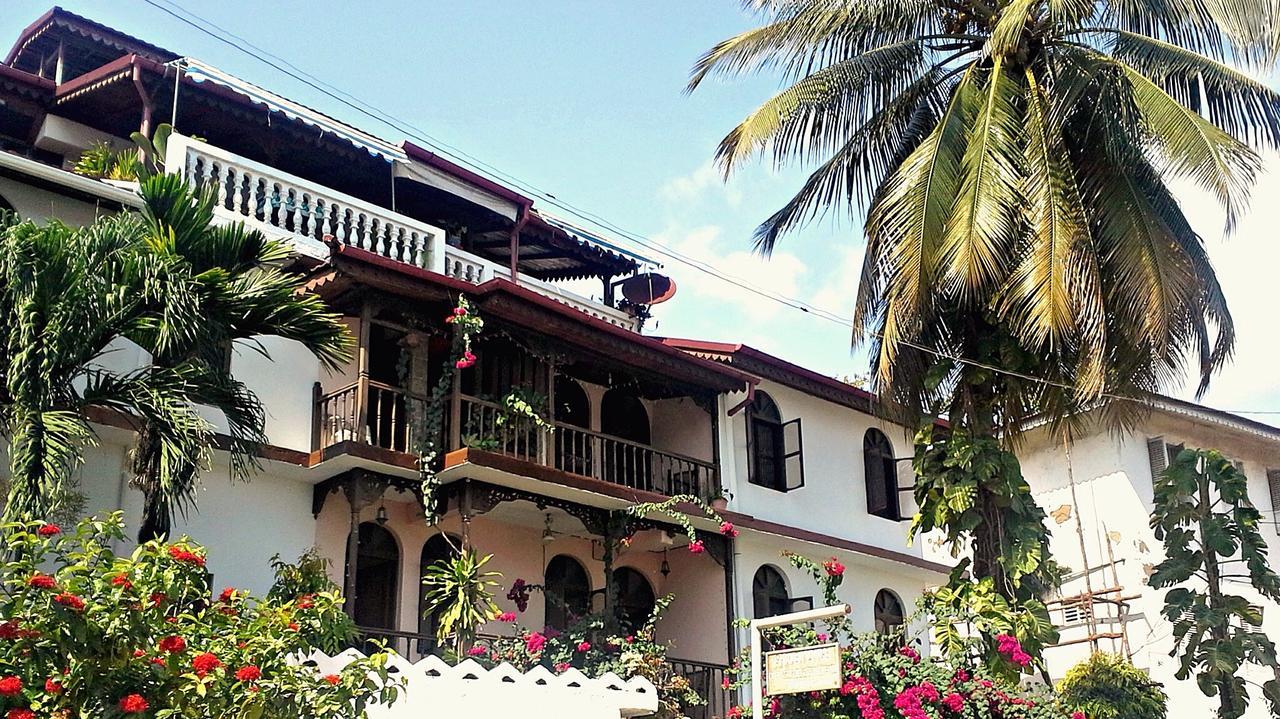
[67, 296]
[1012, 158]
[242, 294]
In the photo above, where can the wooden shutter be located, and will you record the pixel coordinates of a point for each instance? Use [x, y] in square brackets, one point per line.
[1273, 484]
[1156, 454]
[792, 455]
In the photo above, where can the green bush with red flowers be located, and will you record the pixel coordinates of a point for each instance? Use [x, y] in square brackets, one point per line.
[86, 633]
[884, 676]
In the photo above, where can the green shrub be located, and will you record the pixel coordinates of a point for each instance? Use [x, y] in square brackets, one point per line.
[1107, 686]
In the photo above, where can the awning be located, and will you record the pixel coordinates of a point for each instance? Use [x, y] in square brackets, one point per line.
[203, 72]
[430, 176]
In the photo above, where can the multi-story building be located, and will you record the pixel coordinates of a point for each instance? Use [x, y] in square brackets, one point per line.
[390, 236]
[1099, 496]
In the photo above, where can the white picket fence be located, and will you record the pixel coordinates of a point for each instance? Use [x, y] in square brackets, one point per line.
[433, 688]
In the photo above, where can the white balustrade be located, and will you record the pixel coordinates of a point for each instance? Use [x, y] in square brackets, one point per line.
[434, 688]
[304, 213]
[275, 202]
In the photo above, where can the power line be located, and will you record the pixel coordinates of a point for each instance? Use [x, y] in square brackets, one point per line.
[385, 118]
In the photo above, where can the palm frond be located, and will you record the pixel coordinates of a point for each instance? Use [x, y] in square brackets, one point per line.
[982, 227]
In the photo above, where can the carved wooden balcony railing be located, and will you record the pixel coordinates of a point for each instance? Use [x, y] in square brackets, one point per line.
[380, 415]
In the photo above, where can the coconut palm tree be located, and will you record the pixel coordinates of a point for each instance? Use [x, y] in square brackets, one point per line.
[1012, 158]
[67, 296]
[242, 295]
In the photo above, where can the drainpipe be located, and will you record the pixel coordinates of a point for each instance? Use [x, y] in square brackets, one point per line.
[522, 217]
[147, 105]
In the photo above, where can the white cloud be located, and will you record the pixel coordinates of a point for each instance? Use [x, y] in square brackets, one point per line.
[692, 188]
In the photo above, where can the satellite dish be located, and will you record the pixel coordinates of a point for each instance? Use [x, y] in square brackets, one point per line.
[649, 288]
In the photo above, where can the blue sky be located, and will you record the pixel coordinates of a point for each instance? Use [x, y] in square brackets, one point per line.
[583, 99]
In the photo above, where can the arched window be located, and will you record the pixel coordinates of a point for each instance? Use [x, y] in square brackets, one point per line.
[377, 577]
[573, 408]
[889, 614]
[635, 598]
[769, 595]
[567, 590]
[623, 415]
[437, 548]
[775, 459]
[881, 474]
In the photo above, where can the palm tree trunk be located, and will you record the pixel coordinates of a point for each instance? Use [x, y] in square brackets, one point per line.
[156, 519]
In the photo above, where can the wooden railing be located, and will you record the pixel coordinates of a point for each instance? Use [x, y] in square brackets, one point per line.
[377, 414]
[486, 425]
[707, 681]
[371, 413]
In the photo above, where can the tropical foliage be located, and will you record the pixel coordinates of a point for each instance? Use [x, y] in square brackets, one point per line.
[84, 632]
[884, 675]
[232, 280]
[594, 646]
[1107, 686]
[1209, 528]
[459, 593]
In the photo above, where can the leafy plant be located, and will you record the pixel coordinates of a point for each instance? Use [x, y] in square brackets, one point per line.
[84, 632]
[459, 593]
[1107, 686]
[1207, 523]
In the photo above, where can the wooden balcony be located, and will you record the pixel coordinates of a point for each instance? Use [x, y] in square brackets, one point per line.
[387, 417]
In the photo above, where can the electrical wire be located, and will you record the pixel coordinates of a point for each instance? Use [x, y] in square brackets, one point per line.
[385, 118]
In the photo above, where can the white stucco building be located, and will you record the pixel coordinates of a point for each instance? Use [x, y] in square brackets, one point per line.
[1112, 503]
[390, 235]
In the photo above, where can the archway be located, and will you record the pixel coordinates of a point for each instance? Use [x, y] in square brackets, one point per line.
[573, 409]
[623, 415]
[635, 598]
[377, 577]
[437, 548]
[567, 590]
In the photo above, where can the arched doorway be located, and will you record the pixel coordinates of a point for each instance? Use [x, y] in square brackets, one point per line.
[436, 549]
[377, 577]
[573, 408]
[567, 590]
[635, 598]
[623, 415]
[769, 594]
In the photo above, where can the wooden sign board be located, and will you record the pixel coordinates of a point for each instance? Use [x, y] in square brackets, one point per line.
[806, 669]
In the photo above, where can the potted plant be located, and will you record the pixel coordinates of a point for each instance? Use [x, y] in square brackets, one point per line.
[719, 499]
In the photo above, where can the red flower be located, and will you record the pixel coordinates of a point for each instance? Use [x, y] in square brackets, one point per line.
[507, 617]
[138, 654]
[584, 646]
[733, 713]
[42, 581]
[293, 626]
[121, 580]
[333, 679]
[467, 360]
[10, 686]
[173, 644]
[52, 686]
[306, 601]
[1077, 715]
[157, 599]
[910, 653]
[696, 547]
[248, 673]
[133, 704]
[728, 530]
[20, 713]
[70, 601]
[563, 667]
[205, 663]
[10, 629]
[833, 567]
[49, 530]
[182, 554]
[227, 595]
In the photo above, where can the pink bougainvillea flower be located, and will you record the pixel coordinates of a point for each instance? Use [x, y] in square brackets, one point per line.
[697, 547]
[508, 617]
[728, 530]
[584, 646]
[833, 567]
[476, 651]
[535, 642]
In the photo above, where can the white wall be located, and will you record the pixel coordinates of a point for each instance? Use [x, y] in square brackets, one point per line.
[33, 203]
[284, 380]
[1114, 494]
[833, 500]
